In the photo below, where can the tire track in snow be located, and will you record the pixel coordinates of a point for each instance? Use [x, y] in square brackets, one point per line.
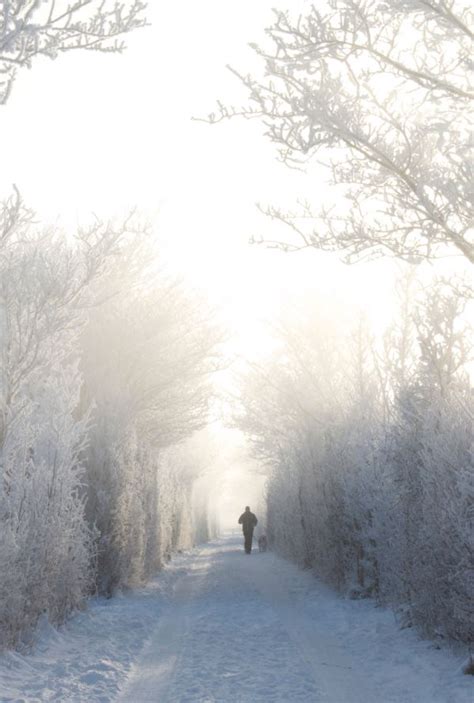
[151, 677]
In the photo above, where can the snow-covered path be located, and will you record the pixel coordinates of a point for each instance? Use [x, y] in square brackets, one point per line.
[221, 626]
[255, 628]
[237, 630]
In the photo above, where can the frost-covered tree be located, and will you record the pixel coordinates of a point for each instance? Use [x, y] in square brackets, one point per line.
[105, 366]
[196, 463]
[46, 547]
[433, 418]
[148, 355]
[33, 28]
[368, 448]
[377, 92]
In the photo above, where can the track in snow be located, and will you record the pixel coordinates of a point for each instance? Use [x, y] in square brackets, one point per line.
[218, 626]
[254, 629]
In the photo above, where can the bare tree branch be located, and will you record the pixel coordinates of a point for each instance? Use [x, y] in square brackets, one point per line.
[380, 92]
[31, 28]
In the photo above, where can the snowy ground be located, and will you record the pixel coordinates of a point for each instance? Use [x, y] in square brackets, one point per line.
[217, 626]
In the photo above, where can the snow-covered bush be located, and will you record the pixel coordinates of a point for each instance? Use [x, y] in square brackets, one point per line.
[369, 456]
[105, 364]
[46, 546]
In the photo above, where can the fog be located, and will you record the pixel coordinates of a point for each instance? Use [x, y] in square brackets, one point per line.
[201, 313]
[196, 185]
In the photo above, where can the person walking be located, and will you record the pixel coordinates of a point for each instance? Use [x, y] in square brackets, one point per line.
[248, 521]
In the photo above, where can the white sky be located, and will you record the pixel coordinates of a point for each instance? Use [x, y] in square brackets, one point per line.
[104, 133]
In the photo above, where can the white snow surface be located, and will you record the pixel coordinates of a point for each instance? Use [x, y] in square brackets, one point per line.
[218, 625]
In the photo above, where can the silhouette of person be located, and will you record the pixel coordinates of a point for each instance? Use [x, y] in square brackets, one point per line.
[248, 522]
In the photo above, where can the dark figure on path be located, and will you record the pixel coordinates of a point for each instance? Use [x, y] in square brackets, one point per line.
[248, 522]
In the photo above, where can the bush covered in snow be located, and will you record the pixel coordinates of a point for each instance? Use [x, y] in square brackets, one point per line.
[105, 365]
[369, 452]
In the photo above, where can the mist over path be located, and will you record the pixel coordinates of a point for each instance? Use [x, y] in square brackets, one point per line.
[255, 628]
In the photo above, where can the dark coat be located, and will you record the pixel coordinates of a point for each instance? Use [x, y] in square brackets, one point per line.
[248, 521]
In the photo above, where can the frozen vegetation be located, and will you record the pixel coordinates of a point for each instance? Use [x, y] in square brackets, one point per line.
[105, 368]
[369, 441]
[368, 448]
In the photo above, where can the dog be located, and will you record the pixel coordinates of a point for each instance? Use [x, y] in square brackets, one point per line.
[262, 543]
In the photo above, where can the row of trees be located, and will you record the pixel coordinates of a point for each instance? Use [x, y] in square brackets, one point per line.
[369, 449]
[369, 452]
[105, 365]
